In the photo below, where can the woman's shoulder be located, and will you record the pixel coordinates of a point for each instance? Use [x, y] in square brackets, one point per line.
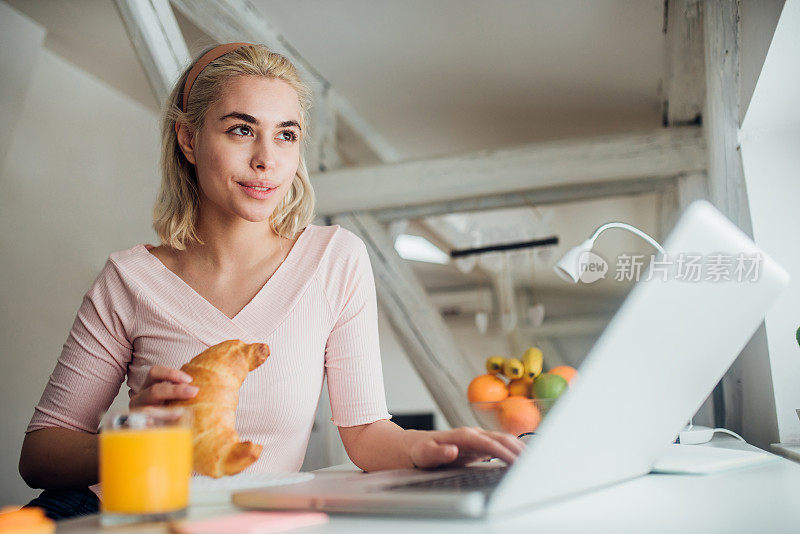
[129, 264]
[338, 247]
[130, 254]
[345, 257]
[335, 237]
[115, 281]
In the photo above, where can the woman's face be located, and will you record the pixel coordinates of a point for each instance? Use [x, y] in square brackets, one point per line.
[249, 141]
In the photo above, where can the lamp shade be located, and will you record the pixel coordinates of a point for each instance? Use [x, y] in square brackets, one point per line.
[568, 267]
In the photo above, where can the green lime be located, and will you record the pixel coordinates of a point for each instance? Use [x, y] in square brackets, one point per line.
[547, 386]
[797, 336]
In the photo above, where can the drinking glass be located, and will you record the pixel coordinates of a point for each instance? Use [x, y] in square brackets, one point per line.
[145, 464]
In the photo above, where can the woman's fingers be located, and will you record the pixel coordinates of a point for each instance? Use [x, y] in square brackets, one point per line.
[433, 454]
[161, 392]
[164, 384]
[510, 441]
[479, 441]
[465, 445]
[159, 373]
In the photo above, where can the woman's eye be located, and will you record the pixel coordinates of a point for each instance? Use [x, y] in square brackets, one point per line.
[240, 127]
[288, 135]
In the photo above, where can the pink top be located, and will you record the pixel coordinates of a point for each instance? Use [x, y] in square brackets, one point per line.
[317, 313]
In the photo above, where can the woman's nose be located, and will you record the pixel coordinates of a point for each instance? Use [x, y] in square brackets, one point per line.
[263, 157]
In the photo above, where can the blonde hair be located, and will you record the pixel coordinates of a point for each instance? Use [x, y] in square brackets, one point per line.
[178, 202]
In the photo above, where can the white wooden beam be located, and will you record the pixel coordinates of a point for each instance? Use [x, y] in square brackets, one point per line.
[685, 96]
[721, 119]
[727, 190]
[325, 144]
[238, 20]
[420, 328]
[685, 77]
[579, 325]
[158, 42]
[666, 211]
[464, 301]
[575, 326]
[535, 197]
[691, 186]
[542, 167]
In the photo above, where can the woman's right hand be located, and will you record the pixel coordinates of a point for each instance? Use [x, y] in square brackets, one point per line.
[161, 385]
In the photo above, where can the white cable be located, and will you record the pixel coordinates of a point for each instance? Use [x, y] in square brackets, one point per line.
[630, 228]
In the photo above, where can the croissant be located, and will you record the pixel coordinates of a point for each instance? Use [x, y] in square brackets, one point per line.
[218, 372]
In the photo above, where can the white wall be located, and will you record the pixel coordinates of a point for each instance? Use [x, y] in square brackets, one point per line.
[78, 182]
[20, 44]
[758, 21]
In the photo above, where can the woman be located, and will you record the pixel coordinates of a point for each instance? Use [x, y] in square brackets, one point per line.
[238, 259]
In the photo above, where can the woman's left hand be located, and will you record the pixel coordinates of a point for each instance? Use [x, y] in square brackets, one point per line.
[463, 445]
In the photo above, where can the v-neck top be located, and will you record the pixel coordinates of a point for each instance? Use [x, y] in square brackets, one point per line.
[317, 313]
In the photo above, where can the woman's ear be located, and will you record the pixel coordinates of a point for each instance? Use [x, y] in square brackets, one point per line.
[186, 143]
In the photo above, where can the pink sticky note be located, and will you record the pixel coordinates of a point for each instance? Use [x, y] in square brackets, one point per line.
[250, 523]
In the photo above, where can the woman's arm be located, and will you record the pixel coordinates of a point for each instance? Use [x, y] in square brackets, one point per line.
[355, 384]
[59, 458]
[60, 446]
[384, 445]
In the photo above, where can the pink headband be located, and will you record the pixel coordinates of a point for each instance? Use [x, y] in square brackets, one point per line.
[198, 67]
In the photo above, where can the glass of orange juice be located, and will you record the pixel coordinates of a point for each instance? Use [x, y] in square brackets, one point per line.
[145, 464]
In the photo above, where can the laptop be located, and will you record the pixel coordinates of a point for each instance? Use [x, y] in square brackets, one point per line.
[659, 358]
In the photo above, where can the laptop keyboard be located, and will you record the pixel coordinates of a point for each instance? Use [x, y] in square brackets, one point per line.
[472, 480]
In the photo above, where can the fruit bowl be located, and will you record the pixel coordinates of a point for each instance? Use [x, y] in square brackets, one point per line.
[514, 415]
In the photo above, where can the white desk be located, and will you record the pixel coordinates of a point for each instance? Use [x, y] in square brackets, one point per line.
[761, 499]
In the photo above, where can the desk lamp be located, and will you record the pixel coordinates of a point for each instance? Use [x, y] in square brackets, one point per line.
[568, 267]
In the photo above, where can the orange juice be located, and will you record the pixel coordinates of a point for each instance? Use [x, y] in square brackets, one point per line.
[145, 471]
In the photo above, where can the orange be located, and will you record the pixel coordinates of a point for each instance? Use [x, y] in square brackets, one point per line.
[564, 371]
[486, 388]
[519, 387]
[518, 415]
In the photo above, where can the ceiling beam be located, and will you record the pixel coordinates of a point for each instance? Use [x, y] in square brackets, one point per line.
[238, 20]
[557, 168]
[157, 40]
[533, 197]
[685, 77]
[569, 327]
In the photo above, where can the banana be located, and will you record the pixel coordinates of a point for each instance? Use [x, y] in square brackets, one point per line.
[494, 364]
[513, 368]
[533, 361]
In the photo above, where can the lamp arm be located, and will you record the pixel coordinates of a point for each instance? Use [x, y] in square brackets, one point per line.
[629, 228]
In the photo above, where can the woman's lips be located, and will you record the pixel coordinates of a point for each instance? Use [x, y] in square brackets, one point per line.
[255, 193]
